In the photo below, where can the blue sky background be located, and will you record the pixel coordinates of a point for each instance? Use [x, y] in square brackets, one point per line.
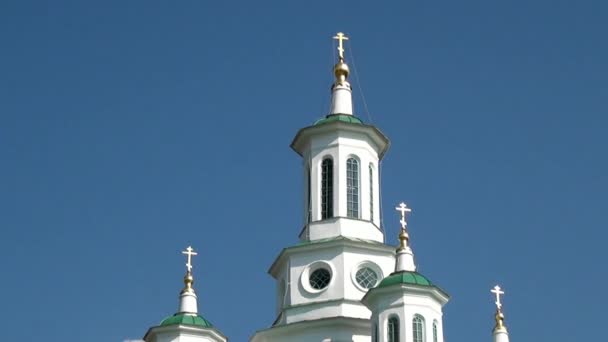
[130, 129]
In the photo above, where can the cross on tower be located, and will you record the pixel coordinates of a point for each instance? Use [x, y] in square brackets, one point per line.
[403, 209]
[497, 291]
[189, 252]
[340, 37]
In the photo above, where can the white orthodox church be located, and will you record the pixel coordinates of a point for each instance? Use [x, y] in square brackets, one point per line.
[341, 282]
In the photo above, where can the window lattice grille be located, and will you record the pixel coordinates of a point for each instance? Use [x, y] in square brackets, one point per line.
[319, 279]
[418, 328]
[327, 188]
[366, 277]
[352, 188]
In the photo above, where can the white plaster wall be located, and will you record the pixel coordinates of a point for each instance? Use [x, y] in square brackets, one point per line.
[342, 226]
[298, 294]
[313, 332]
[325, 310]
[184, 334]
[342, 296]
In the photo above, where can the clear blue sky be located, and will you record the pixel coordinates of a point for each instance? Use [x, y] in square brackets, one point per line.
[130, 129]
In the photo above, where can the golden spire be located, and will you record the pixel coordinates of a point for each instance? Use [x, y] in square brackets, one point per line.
[404, 237]
[188, 278]
[499, 316]
[341, 69]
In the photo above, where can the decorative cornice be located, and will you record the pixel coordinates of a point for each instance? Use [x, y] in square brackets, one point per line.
[340, 241]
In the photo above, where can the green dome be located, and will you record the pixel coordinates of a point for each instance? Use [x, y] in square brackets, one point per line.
[187, 320]
[339, 117]
[405, 277]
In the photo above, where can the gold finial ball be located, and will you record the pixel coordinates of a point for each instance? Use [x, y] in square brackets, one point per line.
[188, 278]
[500, 319]
[341, 70]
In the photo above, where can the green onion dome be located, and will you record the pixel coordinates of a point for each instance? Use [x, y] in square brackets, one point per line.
[186, 319]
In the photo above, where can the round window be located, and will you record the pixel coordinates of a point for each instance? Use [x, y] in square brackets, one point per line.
[319, 278]
[366, 277]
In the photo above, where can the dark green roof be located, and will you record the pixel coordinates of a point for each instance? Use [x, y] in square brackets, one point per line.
[339, 117]
[187, 320]
[405, 277]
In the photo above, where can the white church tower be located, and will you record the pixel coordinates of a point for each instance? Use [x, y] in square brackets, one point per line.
[186, 325]
[341, 282]
[406, 306]
[341, 254]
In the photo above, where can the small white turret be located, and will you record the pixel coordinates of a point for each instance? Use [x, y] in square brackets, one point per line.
[406, 306]
[186, 324]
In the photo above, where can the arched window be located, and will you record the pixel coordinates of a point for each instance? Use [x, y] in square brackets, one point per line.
[371, 192]
[352, 188]
[435, 331]
[327, 188]
[393, 329]
[418, 328]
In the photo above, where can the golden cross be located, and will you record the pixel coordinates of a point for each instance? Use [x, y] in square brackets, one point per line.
[189, 252]
[340, 37]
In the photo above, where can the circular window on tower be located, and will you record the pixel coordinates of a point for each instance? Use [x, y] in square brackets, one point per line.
[366, 275]
[317, 277]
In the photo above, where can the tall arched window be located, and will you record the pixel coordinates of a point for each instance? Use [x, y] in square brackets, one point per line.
[327, 188]
[371, 192]
[393, 329]
[352, 188]
[435, 339]
[418, 328]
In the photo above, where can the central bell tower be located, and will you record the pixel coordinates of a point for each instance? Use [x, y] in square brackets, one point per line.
[341, 253]
[341, 158]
